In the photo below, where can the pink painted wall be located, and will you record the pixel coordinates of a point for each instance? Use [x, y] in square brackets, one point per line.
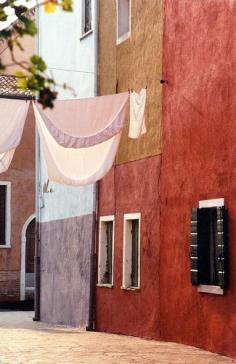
[199, 162]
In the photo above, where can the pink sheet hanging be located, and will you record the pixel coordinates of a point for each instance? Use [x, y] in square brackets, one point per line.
[95, 137]
[5, 160]
[85, 122]
[13, 114]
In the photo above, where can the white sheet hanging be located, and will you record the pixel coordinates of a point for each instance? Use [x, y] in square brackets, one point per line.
[5, 160]
[137, 125]
[13, 114]
[76, 166]
[85, 122]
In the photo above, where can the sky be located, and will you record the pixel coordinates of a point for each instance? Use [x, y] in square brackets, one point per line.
[10, 12]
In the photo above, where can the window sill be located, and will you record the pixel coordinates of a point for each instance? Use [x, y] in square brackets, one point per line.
[85, 35]
[104, 285]
[123, 38]
[210, 289]
[130, 288]
[7, 246]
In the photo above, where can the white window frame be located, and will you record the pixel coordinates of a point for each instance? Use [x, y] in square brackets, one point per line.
[83, 33]
[101, 260]
[218, 202]
[127, 241]
[8, 215]
[126, 35]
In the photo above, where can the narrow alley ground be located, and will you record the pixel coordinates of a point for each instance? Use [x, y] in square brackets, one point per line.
[24, 341]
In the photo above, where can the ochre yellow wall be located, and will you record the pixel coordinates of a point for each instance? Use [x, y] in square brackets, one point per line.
[135, 63]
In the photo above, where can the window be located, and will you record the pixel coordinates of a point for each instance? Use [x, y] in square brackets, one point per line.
[208, 251]
[123, 20]
[5, 223]
[86, 16]
[131, 251]
[106, 251]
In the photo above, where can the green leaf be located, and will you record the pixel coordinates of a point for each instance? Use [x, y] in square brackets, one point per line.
[38, 62]
[30, 27]
[67, 5]
[3, 15]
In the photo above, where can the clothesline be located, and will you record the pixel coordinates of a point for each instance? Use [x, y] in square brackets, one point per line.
[79, 138]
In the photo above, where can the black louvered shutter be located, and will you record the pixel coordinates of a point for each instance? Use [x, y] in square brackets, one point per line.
[3, 190]
[222, 247]
[194, 247]
[209, 246]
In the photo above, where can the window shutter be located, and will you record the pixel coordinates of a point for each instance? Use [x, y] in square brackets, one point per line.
[194, 247]
[222, 247]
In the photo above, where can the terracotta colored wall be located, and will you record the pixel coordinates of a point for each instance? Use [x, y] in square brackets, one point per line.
[28, 44]
[128, 188]
[199, 162]
[65, 270]
[21, 174]
[135, 63]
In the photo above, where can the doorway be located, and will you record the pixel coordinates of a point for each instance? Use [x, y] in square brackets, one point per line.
[27, 259]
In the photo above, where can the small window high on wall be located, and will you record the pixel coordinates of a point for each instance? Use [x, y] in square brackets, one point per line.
[86, 16]
[106, 251]
[131, 251]
[5, 217]
[123, 10]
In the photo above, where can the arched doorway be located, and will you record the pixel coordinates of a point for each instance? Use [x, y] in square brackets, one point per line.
[27, 259]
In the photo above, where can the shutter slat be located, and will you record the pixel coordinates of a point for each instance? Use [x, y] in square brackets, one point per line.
[194, 248]
[222, 247]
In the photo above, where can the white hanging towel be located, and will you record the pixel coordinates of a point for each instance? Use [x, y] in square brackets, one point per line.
[84, 165]
[85, 122]
[137, 114]
[13, 114]
[5, 160]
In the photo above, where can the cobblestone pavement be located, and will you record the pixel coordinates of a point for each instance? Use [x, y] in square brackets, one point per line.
[23, 341]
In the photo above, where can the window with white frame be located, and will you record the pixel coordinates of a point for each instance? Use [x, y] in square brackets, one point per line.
[86, 16]
[131, 251]
[106, 250]
[123, 10]
[5, 214]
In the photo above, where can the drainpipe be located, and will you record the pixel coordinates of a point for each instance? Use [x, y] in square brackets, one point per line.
[93, 265]
[37, 205]
[93, 256]
[37, 237]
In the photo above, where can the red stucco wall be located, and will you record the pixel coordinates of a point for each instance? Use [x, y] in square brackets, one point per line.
[199, 162]
[129, 188]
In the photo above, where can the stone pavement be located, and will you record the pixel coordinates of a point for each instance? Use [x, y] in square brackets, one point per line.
[23, 341]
